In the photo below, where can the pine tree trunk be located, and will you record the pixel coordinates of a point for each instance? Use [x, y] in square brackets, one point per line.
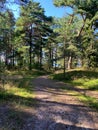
[50, 64]
[40, 59]
[56, 58]
[69, 63]
[30, 49]
[30, 58]
[64, 61]
[50, 57]
[6, 59]
[13, 60]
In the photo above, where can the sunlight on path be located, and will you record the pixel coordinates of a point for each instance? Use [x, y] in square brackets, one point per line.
[59, 110]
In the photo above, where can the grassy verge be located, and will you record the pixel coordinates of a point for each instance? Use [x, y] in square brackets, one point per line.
[84, 80]
[17, 92]
[16, 87]
[17, 98]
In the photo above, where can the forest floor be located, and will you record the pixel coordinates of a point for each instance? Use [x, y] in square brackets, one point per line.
[53, 108]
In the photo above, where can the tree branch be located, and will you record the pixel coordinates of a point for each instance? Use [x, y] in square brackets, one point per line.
[84, 19]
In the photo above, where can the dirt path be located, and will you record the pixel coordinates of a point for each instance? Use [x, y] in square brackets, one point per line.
[56, 109]
[60, 110]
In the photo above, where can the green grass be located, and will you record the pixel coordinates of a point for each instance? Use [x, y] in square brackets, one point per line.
[81, 79]
[92, 84]
[85, 83]
[76, 74]
[17, 88]
[19, 93]
[29, 73]
[17, 97]
[89, 100]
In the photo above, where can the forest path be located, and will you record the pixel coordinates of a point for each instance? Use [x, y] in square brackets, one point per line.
[61, 109]
[55, 106]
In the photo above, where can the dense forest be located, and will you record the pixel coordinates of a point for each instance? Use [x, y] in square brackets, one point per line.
[33, 40]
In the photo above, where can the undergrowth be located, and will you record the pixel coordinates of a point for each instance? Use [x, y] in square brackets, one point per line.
[84, 80]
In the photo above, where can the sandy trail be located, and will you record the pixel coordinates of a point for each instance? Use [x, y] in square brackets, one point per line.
[55, 109]
[60, 110]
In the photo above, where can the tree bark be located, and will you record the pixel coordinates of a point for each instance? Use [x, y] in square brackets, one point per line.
[30, 49]
[55, 58]
[40, 59]
[13, 60]
[64, 60]
[69, 63]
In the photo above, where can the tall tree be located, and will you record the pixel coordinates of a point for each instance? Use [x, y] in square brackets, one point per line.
[67, 30]
[88, 11]
[7, 32]
[34, 26]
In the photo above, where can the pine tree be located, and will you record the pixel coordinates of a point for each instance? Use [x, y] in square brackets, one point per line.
[34, 27]
[7, 32]
[87, 10]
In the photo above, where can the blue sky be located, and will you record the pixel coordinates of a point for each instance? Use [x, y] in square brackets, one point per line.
[51, 10]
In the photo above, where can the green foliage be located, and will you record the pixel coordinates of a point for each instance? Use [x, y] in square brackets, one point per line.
[17, 87]
[34, 40]
[2, 67]
[92, 102]
[66, 28]
[76, 74]
[83, 82]
[85, 33]
[64, 2]
[32, 29]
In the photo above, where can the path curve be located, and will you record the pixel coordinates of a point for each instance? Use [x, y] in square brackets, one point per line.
[60, 110]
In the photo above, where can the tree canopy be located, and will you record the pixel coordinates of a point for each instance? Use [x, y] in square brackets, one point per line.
[34, 40]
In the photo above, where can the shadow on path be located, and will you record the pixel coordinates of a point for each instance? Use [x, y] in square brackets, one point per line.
[55, 104]
[53, 112]
[17, 119]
